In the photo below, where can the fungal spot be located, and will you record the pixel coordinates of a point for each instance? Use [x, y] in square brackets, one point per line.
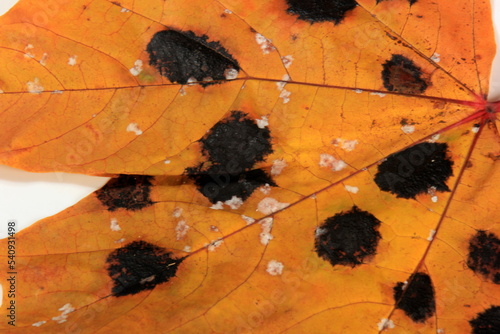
[348, 238]
[379, 94]
[181, 229]
[329, 161]
[314, 11]
[486, 322]
[413, 171]
[266, 225]
[287, 60]
[181, 56]
[265, 44]
[140, 266]
[262, 122]
[408, 128]
[35, 87]
[436, 57]
[484, 255]
[72, 60]
[233, 146]
[214, 245]
[401, 75]
[416, 297]
[65, 310]
[270, 205]
[130, 192]
[137, 69]
[385, 324]
[346, 145]
[351, 189]
[134, 127]
[278, 166]
[274, 268]
[39, 323]
[113, 225]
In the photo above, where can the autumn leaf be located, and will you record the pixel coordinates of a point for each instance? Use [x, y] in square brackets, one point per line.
[278, 166]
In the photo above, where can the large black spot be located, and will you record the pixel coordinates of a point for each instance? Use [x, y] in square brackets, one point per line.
[487, 322]
[321, 10]
[237, 141]
[348, 238]
[182, 56]
[129, 192]
[140, 266]
[484, 255]
[401, 75]
[233, 146]
[219, 185]
[416, 297]
[415, 170]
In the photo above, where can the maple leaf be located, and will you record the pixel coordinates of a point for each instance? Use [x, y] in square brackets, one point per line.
[279, 166]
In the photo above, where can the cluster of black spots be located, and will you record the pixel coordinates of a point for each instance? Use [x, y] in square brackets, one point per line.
[140, 266]
[348, 238]
[233, 146]
[416, 297]
[182, 56]
[130, 192]
[415, 170]
[484, 255]
[486, 322]
[321, 10]
[401, 75]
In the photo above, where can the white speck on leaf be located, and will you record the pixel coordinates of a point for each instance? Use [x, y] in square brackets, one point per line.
[408, 128]
[214, 244]
[234, 203]
[177, 212]
[264, 43]
[287, 61]
[124, 10]
[191, 81]
[269, 205]
[218, 206]
[359, 91]
[431, 235]
[385, 324]
[43, 61]
[231, 73]
[248, 220]
[346, 145]
[134, 127]
[320, 231]
[72, 60]
[475, 128]
[275, 268]
[119, 241]
[227, 11]
[187, 249]
[181, 230]
[137, 69]
[35, 87]
[265, 235]
[378, 94]
[166, 162]
[38, 324]
[114, 225]
[278, 166]
[262, 122]
[434, 138]
[436, 57]
[265, 189]
[27, 52]
[327, 160]
[351, 189]
[66, 309]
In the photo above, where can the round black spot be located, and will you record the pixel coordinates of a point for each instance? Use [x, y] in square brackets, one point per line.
[321, 10]
[129, 192]
[348, 238]
[400, 74]
[233, 146]
[237, 142]
[182, 56]
[140, 266]
[415, 170]
[487, 322]
[484, 255]
[416, 297]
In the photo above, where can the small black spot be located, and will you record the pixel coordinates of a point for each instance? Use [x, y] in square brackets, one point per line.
[416, 298]
[348, 238]
[129, 192]
[182, 55]
[484, 255]
[401, 75]
[411, 2]
[233, 146]
[140, 266]
[237, 141]
[218, 185]
[486, 322]
[321, 10]
[415, 170]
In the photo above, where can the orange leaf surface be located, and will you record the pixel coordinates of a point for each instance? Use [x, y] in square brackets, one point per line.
[279, 166]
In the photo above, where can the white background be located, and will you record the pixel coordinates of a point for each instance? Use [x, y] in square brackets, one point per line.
[28, 197]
